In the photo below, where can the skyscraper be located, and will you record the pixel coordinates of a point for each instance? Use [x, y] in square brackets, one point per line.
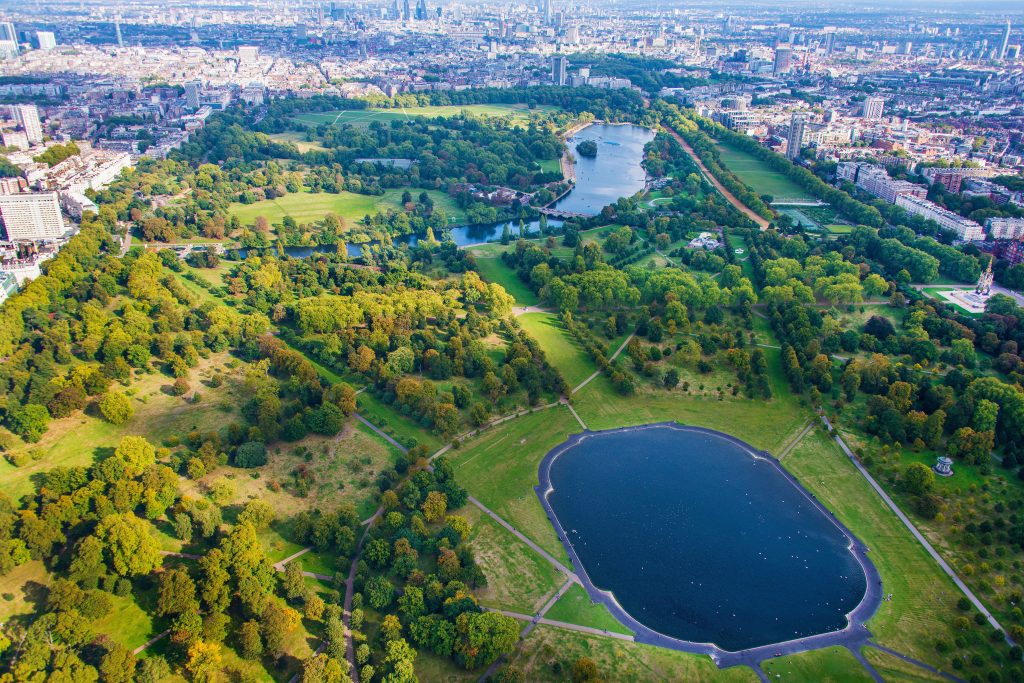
[406, 11]
[796, 136]
[783, 60]
[27, 116]
[33, 216]
[830, 42]
[192, 94]
[46, 40]
[873, 108]
[7, 32]
[1005, 42]
[547, 12]
[117, 32]
[421, 10]
[559, 66]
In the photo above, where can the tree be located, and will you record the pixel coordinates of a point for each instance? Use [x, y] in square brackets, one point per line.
[116, 408]
[251, 454]
[435, 506]
[118, 665]
[29, 421]
[294, 582]
[483, 637]
[176, 593]
[343, 396]
[584, 670]
[399, 658]
[314, 607]
[322, 669]
[137, 454]
[204, 662]
[129, 546]
[380, 592]
[258, 513]
[918, 479]
[276, 623]
[250, 641]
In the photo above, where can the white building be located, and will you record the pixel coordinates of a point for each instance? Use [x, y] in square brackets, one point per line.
[1005, 228]
[32, 216]
[46, 40]
[964, 228]
[27, 116]
[873, 108]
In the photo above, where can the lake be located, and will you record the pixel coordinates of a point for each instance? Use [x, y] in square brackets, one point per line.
[615, 172]
[700, 541]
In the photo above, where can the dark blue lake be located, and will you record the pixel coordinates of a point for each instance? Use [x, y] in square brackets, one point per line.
[615, 172]
[699, 540]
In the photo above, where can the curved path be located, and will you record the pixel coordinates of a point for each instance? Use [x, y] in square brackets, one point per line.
[729, 196]
[853, 636]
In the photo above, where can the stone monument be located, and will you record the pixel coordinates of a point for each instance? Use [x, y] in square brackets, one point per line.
[944, 467]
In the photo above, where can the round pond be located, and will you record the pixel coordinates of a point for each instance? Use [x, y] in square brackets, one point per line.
[699, 539]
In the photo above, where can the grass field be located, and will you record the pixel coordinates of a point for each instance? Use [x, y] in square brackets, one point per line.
[518, 579]
[833, 665]
[306, 207]
[763, 424]
[924, 599]
[575, 607]
[562, 350]
[299, 140]
[499, 467]
[495, 270]
[760, 177]
[839, 229]
[403, 429]
[548, 653]
[364, 117]
[895, 669]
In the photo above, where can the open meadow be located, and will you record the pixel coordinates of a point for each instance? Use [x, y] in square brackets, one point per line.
[364, 117]
[306, 207]
[760, 177]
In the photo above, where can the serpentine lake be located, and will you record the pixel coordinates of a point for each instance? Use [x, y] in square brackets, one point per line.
[615, 172]
[699, 540]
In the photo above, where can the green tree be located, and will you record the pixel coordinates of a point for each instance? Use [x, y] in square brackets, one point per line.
[116, 408]
[176, 593]
[918, 479]
[129, 546]
[29, 421]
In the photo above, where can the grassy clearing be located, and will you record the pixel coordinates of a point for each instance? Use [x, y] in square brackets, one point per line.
[495, 270]
[548, 654]
[305, 207]
[81, 439]
[364, 117]
[518, 579]
[299, 140]
[562, 350]
[832, 665]
[575, 607]
[839, 229]
[500, 466]
[924, 599]
[430, 667]
[403, 429]
[127, 622]
[895, 669]
[763, 424]
[759, 176]
[22, 588]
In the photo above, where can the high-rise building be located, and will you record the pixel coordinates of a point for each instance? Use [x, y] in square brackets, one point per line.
[873, 108]
[559, 67]
[1005, 42]
[8, 40]
[32, 216]
[547, 12]
[796, 136]
[117, 32]
[830, 42]
[27, 116]
[421, 10]
[783, 60]
[192, 89]
[7, 31]
[406, 11]
[46, 40]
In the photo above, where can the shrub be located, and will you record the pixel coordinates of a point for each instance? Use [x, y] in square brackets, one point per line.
[116, 407]
[251, 454]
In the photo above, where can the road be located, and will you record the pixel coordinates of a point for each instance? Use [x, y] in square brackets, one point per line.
[729, 196]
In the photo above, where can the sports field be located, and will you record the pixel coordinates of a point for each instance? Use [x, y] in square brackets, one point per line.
[364, 117]
[313, 206]
[759, 176]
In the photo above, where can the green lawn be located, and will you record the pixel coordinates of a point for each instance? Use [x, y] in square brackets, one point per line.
[562, 350]
[500, 466]
[763, 424]
[575, 607]
[839, 229]
[924, 598]
[895, 669]
[403, 429]
[833, 665]
[305, 207]
[299, 140]
[548, 653]
[518, 579]
[364, 117]
[760, 177]
[495, 270]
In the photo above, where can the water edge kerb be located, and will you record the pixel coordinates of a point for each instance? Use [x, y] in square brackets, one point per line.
[853, 635]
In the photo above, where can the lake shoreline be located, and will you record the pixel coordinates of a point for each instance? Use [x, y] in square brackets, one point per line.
[853, 635]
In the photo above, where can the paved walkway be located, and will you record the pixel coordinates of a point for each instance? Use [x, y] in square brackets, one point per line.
[917, 534]
[152, 641]
[386, 437]
[729, 196]
[186, 556]
[522, 310]
[518, 534]
[574, 413]
[792, 444]
[911, 660]
[613, 357]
